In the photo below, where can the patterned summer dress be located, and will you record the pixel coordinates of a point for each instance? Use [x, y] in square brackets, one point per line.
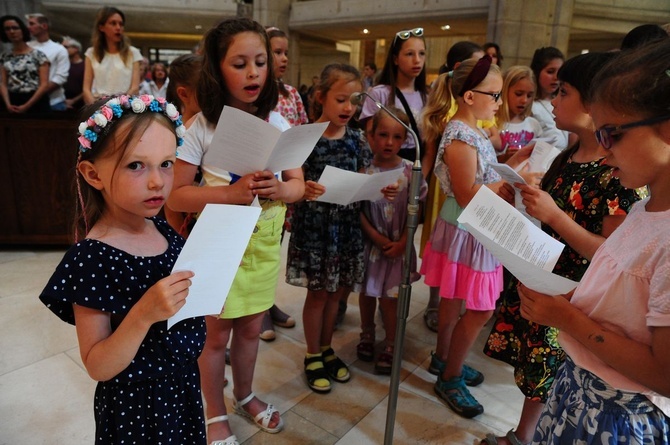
[326, 246]
[383, 275]
[586, 192]
[453, 259]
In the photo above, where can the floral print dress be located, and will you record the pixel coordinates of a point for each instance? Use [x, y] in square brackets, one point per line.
[325, 250]
[23, 70]
[587, 192]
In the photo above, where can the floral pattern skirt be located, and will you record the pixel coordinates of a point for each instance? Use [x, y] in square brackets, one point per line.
[583, 409]
[531, 349]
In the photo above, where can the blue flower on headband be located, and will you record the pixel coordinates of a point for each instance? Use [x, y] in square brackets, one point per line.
[155, 106]
[91, 135]
[117, 110]
[114, 109]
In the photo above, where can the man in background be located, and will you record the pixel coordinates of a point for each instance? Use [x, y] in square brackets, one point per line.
[59, 62]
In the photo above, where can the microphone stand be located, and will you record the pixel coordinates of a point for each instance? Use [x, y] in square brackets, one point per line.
[405, 289]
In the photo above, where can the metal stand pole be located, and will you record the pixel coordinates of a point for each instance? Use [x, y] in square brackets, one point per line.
[405, 291]
[403, 300]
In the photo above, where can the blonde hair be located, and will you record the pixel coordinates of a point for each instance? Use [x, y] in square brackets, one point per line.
[511, 77]
[446, 90]
[436, 112]
[382, 114]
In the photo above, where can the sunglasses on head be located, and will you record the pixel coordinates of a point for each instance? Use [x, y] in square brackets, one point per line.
[406, 34]
[604, 135]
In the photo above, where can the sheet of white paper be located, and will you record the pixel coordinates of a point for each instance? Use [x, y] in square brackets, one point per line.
[213, 252]
[542, 156]
[530, 275]
[243, 144]
[511, 176]
[499, 221]
[344, 187]
[507, 173]
[525, 250]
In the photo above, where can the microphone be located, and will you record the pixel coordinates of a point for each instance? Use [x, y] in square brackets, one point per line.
[359, 98]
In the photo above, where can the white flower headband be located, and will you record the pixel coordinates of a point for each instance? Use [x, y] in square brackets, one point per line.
[115, 107]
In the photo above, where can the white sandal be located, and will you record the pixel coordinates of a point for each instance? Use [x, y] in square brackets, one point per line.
[262, 419]
[230, 440]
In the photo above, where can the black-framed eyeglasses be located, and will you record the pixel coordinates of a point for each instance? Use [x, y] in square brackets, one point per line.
[604, 135]
[495, 96]
[406, 34]
[12, 28]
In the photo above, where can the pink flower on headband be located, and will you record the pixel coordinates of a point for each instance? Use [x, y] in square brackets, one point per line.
[91, 129]
[107, 112]
[161, 100]
[84, 142]
[146, 99]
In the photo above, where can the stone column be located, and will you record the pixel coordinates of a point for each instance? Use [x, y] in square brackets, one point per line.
[522, 26]
[276, 13]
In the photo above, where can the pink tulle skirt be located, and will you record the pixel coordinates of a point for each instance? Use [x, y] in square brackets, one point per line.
[456, 263]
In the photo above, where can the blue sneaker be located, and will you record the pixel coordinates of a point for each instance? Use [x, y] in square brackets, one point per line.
[457, 397]
[471, 376]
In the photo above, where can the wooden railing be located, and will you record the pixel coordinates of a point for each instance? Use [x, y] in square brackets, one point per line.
[37, 164]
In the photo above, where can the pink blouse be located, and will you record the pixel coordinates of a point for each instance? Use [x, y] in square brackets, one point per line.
[627, 289]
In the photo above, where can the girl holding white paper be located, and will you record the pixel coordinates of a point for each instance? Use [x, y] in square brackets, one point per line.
[290, 106]
[237, 72]
[580, 204]
[615, 326]
[514, 121]
[325, 252]
[115, 283]
[385, 229]
[453, 259]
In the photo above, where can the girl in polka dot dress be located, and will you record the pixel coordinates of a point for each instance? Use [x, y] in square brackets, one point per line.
[115, 284]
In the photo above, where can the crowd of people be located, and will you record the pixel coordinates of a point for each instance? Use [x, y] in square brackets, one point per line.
[40, 75]
[607, 113]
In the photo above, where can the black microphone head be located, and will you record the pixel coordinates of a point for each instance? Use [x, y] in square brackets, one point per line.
[356, 98]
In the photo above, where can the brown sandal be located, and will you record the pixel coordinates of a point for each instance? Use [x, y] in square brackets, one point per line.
[384, 363]
[365, 350]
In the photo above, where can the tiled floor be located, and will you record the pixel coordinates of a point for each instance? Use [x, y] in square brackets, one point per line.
[46, 397]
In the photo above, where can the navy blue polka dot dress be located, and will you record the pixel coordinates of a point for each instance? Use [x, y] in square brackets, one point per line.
[156, 399]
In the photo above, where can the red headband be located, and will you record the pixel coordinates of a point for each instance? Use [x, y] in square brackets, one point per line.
[477, 75]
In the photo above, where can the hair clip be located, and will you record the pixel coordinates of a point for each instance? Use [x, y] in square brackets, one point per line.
[450, 74]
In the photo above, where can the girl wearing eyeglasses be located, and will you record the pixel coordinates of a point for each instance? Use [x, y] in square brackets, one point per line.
[615, 326]
[580, 204]
[453, 260]
[24, 71]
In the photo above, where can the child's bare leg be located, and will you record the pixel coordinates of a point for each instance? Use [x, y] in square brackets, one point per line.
[367, 306]
[365, 350]
[243, 354]
[312, 319]
[212, 363]
[389, 307]
[464, 335]
[330, 314]
[450, 312]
